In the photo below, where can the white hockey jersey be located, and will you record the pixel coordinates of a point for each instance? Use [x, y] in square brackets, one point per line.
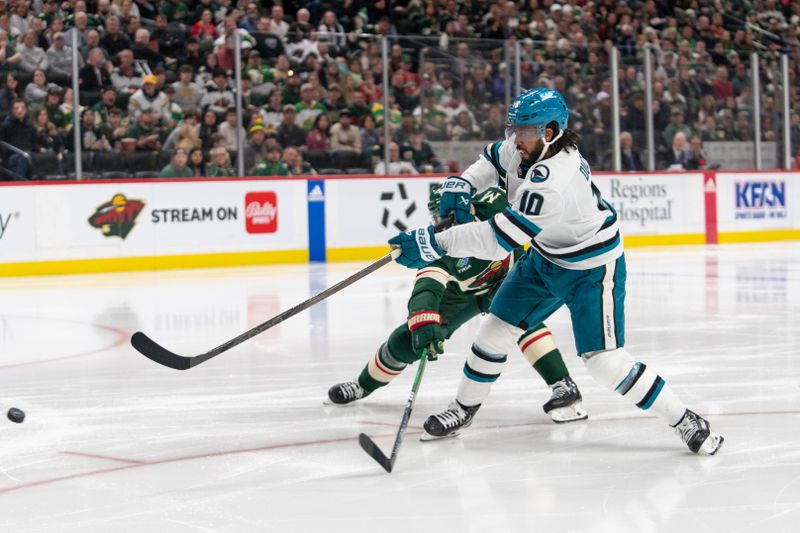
[554, 206]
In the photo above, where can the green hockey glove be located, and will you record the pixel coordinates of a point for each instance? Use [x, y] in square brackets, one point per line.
[426, 332]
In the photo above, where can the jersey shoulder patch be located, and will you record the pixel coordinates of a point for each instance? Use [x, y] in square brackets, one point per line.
[539, 173]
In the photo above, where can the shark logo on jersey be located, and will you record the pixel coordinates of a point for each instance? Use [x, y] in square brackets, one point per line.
[462, 264]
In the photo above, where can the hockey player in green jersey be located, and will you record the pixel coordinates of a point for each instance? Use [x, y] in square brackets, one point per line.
[447, 293]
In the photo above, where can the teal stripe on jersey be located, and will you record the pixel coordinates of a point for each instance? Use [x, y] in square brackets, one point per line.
[503, 239]
[524, 221]
[496, 155]
[616, 242]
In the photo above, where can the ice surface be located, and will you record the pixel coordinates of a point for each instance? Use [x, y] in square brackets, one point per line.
[113, 442]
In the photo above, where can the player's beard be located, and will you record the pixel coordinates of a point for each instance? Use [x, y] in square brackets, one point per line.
[530, 157]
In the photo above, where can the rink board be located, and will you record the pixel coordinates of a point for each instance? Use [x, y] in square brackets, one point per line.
[120, 225]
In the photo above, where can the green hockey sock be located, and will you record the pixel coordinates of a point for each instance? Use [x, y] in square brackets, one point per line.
[551, 367]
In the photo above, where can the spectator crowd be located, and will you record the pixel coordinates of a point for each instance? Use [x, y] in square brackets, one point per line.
[157, 93]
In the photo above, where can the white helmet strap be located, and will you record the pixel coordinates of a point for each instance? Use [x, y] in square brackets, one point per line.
[547, 145]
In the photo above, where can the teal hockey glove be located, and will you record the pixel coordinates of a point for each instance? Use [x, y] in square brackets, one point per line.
[417, 247]
[456, 199]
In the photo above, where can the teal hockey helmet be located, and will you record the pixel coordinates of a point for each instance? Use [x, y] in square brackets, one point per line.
[533, 110]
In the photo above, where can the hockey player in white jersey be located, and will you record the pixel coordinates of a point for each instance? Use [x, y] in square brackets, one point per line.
[576, 259]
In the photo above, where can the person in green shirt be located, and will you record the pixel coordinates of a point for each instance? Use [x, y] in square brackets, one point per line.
[220, 166]
[308, 108]
[272, 165]
[178, 168]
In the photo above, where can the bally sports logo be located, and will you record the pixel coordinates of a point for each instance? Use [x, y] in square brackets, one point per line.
[261, 212]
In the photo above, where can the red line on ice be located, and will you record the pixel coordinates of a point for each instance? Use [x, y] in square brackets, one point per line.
[122, 338]
[223, 453]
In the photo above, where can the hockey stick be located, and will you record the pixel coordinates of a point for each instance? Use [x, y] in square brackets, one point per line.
[155, 352]
[369, 446]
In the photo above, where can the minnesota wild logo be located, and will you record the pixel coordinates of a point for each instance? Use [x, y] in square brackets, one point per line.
[117, 217]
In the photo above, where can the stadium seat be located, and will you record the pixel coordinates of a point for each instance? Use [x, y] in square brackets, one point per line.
[45, 163]
[109, 162]
[114, 175]
[357, 171]
[330, 171]
[136, 162]
[347, 159]
[319, 158]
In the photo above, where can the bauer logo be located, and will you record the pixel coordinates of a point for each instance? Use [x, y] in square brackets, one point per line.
[117, 217]
[261, 212]
[760, 199]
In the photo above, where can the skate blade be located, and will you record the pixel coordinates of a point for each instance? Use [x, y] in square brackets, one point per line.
[711, 445]
[427, 437]
[565, 415]
[327, 402]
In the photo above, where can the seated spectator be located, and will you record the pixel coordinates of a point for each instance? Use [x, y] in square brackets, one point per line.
[358, 108]
[9, 92]
[186, 130]
[220, 166]
[463, 128]
[277, 25]
[178, 167]
[293, 160]
[676, 124]
[142, 50]
[96, 73]
[151, 99]
[419, 152]
[197, 162]
[494, 127]
[344, 135]
[79, 27]
[696, 160]
[228, 130]
[370, 138]
[334, 101]
[92, 139]
[308, 108]
[59, 57]
[31, 57]
[114, 40]
[319, 138]
[113, 129]
[36, 91]
[272, 165]
[17, 131]
[255, 149]
[631, 156]
[188, 93]
[144, 130]
[219, 97]
[127, 77]
[679, 154]
[52, 107]
[396, 165]
[191, 55]
[46, 130]
[205, 29]
[108, 99]
[289, 133]
[272, 113]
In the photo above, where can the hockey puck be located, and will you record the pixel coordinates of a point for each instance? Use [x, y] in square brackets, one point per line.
[16, 415]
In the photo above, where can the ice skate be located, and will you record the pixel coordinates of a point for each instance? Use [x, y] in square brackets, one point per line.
[695, 431]
[565, 403]
[344, 393]
[449, 423]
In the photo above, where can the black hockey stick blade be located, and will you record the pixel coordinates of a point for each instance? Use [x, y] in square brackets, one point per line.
[157, 353]
[372, 449]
